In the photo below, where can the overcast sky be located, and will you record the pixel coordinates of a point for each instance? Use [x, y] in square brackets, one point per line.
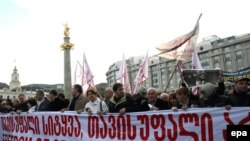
[31, 31]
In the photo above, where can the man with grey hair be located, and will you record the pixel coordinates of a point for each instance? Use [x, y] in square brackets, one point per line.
[140, 95]
[108, 94]
[164, 96]
[152, 102]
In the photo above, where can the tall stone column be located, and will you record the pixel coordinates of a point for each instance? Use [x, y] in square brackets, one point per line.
[66, 47]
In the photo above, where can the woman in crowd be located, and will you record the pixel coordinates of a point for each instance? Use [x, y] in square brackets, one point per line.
[182, 95]
[95, 105]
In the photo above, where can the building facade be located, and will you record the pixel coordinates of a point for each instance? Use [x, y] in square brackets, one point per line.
[228, 54]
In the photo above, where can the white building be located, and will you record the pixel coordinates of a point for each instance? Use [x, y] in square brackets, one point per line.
[15, 84]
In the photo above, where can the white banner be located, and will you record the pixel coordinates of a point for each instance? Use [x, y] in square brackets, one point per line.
[196, 124]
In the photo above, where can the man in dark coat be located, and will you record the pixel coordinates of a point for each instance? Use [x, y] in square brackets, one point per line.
[240, 97]
[121, 102]
[56, 104]
[42, 101]
[152, 102]
[23, 105]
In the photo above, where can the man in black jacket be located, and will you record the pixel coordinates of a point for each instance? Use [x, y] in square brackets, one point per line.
[42, 101]
[121, 102]
[56, 104]
[240, 97]
[152, 102]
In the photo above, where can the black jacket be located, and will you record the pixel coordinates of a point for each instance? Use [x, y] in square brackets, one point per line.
[56, 105]
[238, 99]
[126, 101]
[43, 106]
[161, 104]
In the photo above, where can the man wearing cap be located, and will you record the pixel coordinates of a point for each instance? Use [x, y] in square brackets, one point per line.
[239, 98]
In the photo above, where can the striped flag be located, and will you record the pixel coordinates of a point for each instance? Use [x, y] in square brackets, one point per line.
[88, 77]
[142, 74]
[123, 77]
[83, 75]
[78, 74]
[182, 47]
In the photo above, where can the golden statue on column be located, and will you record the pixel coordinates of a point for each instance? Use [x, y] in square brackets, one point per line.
[66, 44]
[66, 30]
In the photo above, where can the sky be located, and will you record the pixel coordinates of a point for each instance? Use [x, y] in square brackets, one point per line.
[31, 31]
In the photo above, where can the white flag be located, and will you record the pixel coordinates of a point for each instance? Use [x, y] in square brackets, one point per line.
[182, 47]
[123, 77]
[142, 74]
[196, 63]
[88, 77]
[78, 75]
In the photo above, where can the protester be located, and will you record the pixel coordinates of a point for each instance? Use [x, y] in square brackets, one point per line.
[22, 106]
[65, 100]
[173, 104]
[140, 96]
[107, 95]
[240, 97]
[4, 107]
[31, 104]
[182, 95]
[78, 100]
[56, 104]
[95, 105]
[121, 102]
[164, 96]
[211, 96]
[152, 102]
[42, 101]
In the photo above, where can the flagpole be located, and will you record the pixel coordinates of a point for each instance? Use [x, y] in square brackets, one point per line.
[165, 89]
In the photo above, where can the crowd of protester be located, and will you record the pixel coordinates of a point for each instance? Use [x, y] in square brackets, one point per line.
[115, 100]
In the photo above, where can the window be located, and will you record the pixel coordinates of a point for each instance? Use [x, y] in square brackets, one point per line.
[239, 63]
[216, 59]
[227, 49]
[228, 65]
[154, 74]
[215, 51]
[169, 70]
[217, 65]
[163, 65]
[205, 62]
[203, 55]
[237, 46]
[153, 68]
[169, 64]
[187, 65]
[239, 54]
[227, 57]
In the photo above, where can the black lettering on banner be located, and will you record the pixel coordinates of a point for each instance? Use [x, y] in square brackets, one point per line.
[238, 132]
